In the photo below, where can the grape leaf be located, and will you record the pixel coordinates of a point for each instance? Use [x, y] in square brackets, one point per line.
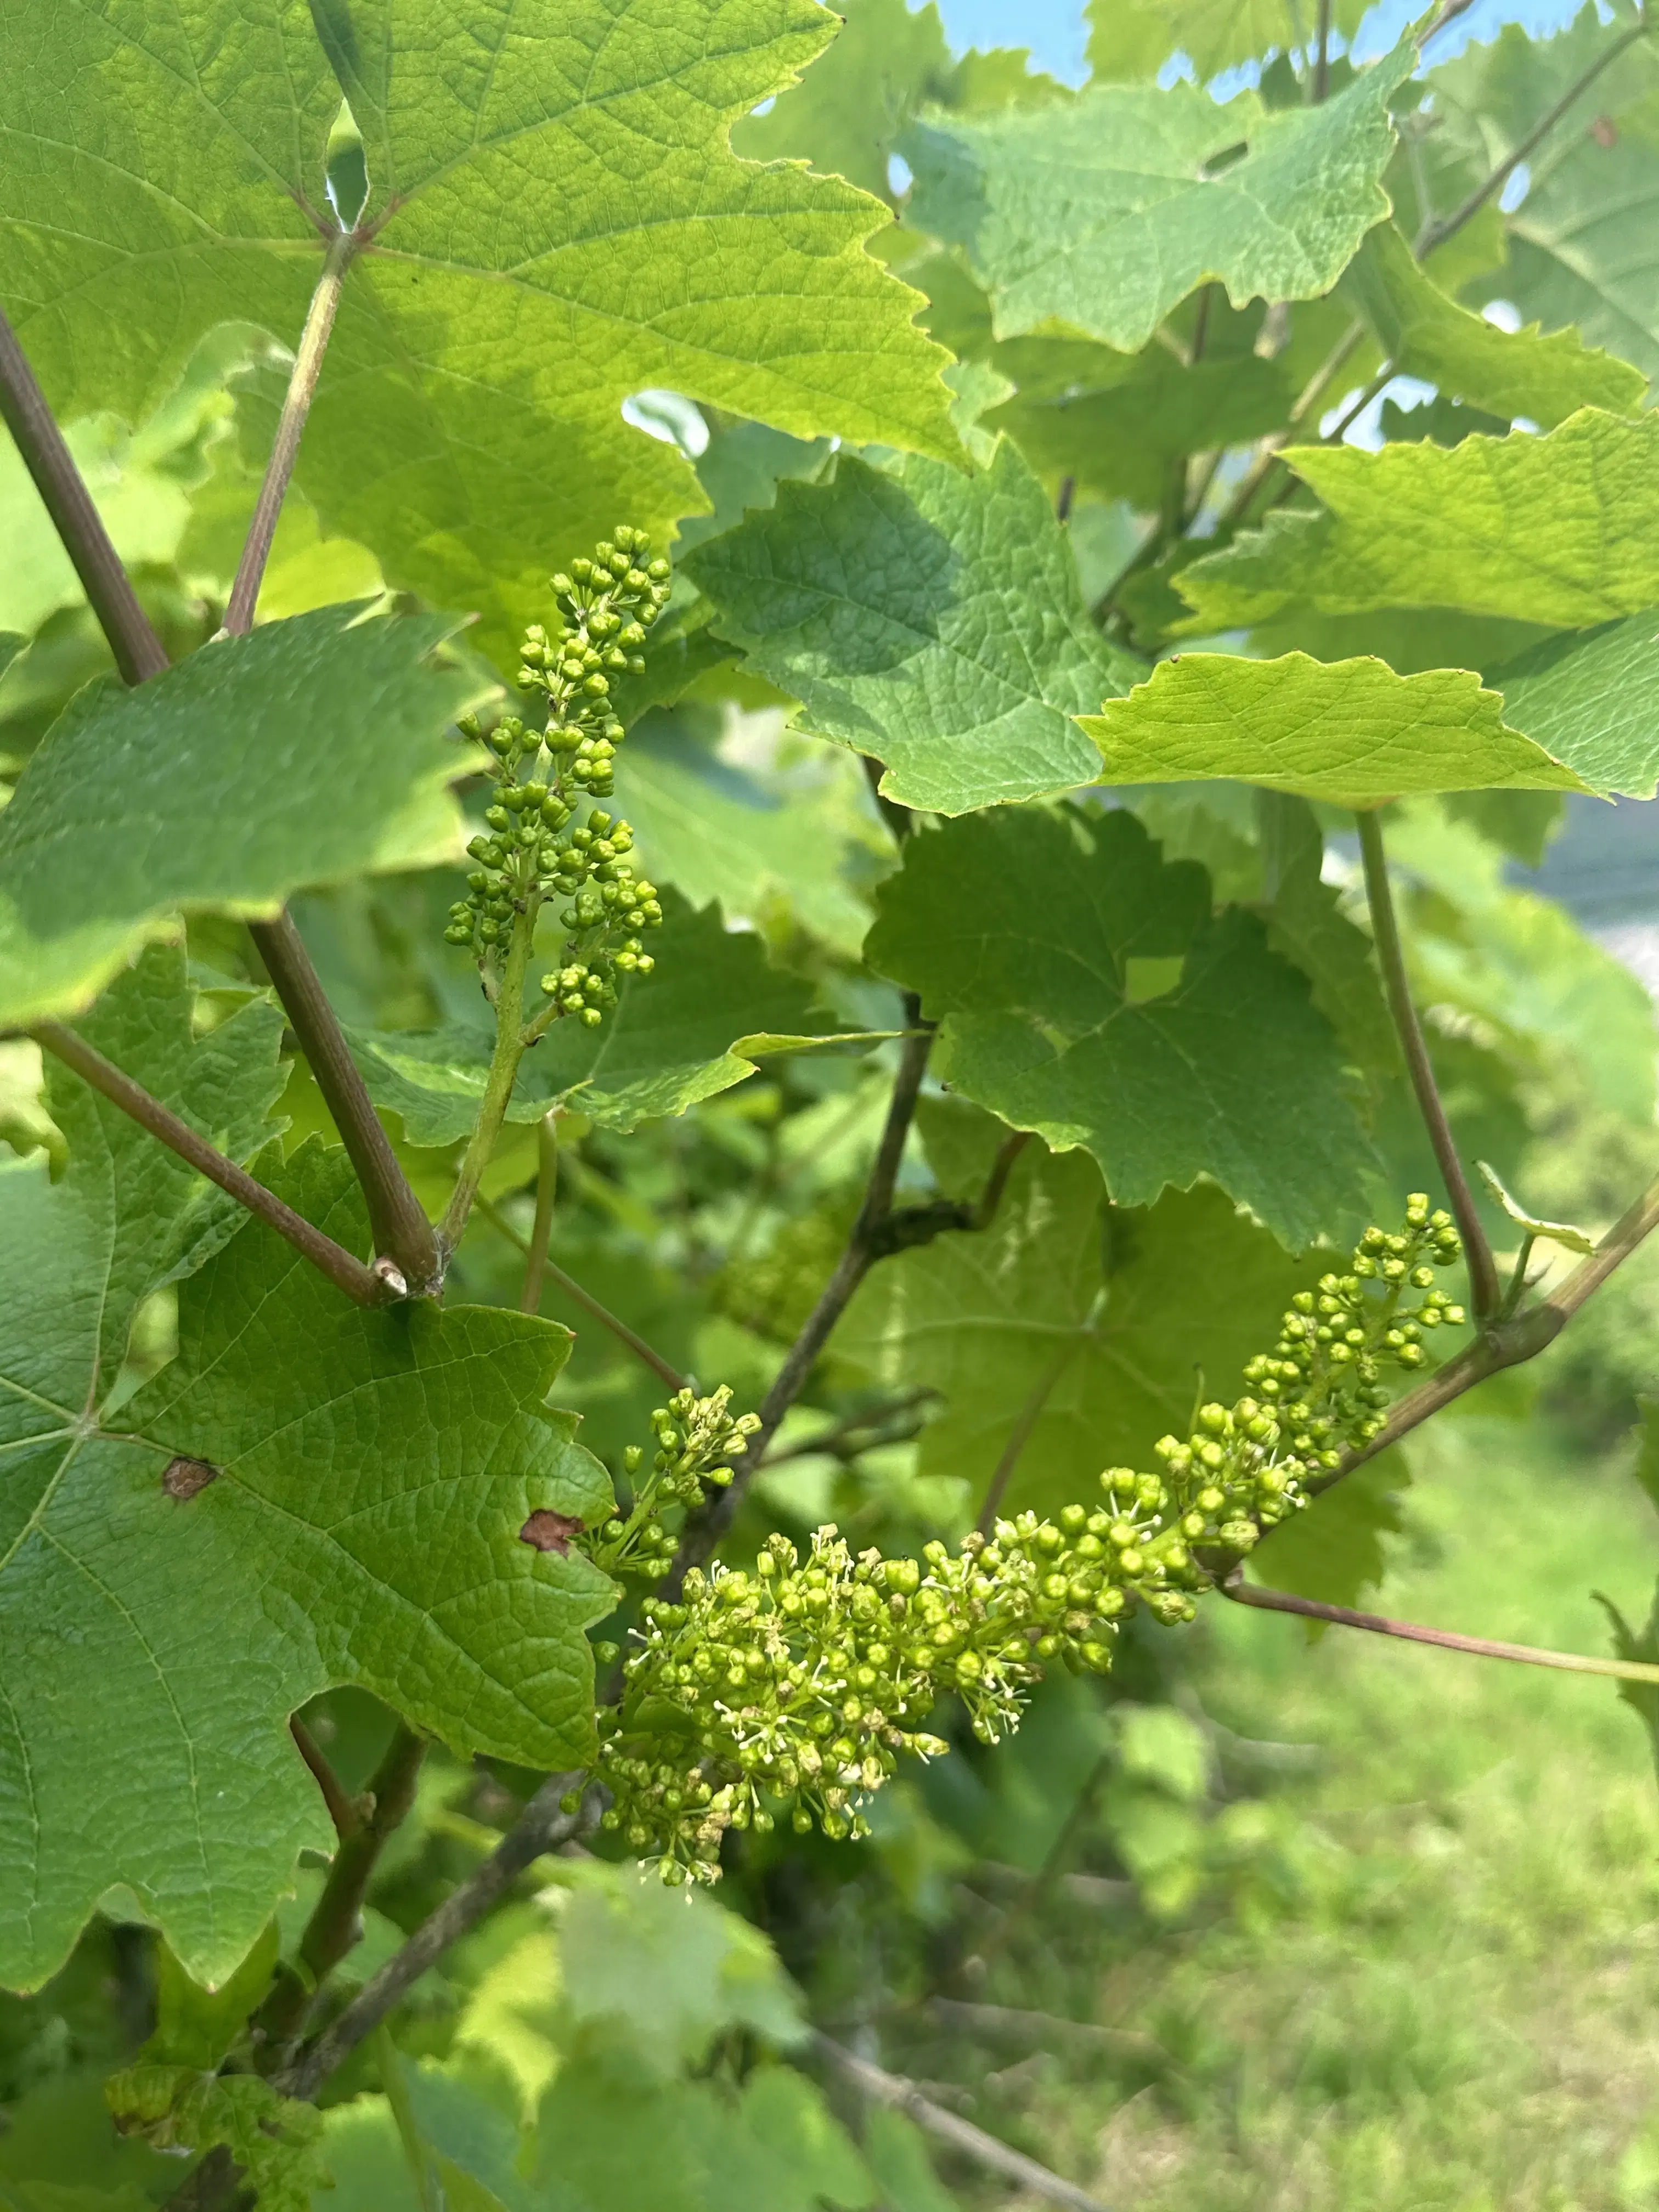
[1423, 333]
[1577, 243]
[1099, 1330]
[1131, 38]
[929, 618]
[555, 221]
[638, 1966]
[159, 1219]
[613, 2141]
[695, 1025]
[274, 2140]
[1030, 937]
[1561, 529]
[1350, 732]
[309, 1494]
[1103, 215]
[259, 764]
[1118, 442]
[884, 64]
[1588, 699]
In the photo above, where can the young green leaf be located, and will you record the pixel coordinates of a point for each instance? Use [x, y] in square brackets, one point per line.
[1350, 732]
[1024, 935]
[308, 1494]
[1562, 529]
[1588, 698]
[929, 618]
[1133, 37]
[1555, 1233]
[315, 750]
[684, 1032]
[640, 253]
[1104, 214]
[1424, 334]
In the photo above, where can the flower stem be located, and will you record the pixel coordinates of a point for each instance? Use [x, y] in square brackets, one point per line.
[498, 1088]
[541, 1233]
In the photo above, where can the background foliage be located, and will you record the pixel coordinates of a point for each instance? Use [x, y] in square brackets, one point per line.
[1132, 476]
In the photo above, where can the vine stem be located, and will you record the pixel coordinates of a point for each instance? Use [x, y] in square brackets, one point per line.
[296, 406]
[343, 1269]
[498, 1085]
[705, 1527]
[1485, 1294]
[541, 1234]
[586, 1299]
[335, 1922]
[400, 1227]
[341, 1810]
[539, 1828]
[139, 654]
[1480, 1647]
[1511, 1342]
[1321, 68]
[985, 2150]
[1434, 234]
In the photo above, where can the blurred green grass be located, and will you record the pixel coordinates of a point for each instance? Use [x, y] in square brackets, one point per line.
[1422, 1968]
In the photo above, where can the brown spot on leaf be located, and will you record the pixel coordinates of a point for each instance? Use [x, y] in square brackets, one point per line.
[550, 1532]
[185, 1477]
[1604, 131]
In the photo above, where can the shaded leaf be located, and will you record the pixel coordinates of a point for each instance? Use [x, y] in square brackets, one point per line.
[1094, 1334]
[929, 618]
[1590, 697]
[1020, 933]
[257, 765]
[1103, 215]
[1335, 1549]
[1131, 38]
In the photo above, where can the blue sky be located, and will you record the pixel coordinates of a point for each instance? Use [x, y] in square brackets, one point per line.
[1053, 29]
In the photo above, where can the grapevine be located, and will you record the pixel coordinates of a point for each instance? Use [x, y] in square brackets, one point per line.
[792, 1691]
[535, 848]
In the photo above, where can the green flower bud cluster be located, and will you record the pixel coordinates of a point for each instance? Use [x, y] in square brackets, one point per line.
[695, 1439]
[534, 846]
[793, 1692]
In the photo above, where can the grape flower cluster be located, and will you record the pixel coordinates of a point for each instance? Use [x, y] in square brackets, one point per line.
[792, 1690]
[535, 847]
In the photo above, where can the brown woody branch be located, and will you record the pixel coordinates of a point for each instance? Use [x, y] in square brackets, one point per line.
[1480, 1647]
[343, 1269]
[400, 1227]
